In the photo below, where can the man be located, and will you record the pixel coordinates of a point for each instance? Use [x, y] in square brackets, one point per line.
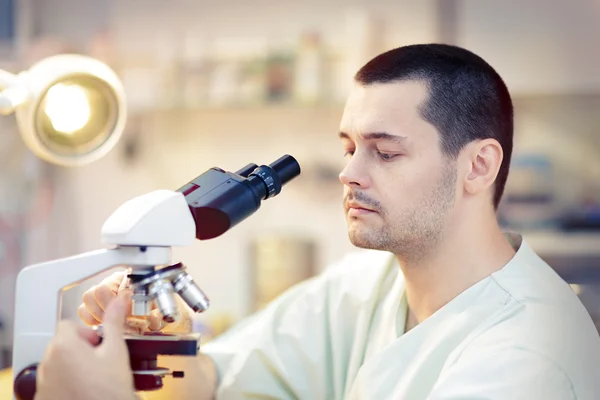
[441, 304]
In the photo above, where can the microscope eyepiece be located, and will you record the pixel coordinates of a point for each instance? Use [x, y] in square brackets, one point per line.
[219, 200]
[287, 168]
[274, 176]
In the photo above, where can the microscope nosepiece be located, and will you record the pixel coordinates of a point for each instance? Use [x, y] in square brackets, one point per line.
[191, 293]
[162, 292]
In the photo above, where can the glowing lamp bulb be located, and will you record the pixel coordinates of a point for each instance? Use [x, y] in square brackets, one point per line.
[68, 108]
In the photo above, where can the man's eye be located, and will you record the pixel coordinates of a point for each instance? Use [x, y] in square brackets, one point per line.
[386, 156]
[349, 153]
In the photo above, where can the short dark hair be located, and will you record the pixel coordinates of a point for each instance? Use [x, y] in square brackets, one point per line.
[467, 101]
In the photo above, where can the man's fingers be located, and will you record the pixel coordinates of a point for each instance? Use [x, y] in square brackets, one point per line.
[68, 337]
[114, 321]
[156, 321]
[92, 306]
[136, 325]
[103, 295]
[86, 317]
[113, 281]
[89, 335]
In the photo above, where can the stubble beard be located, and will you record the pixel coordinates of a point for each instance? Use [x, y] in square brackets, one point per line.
[415, 233]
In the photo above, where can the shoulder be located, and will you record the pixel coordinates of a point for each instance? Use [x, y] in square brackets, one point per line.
[552, 341]
[542, 309]
[542, 321]
[507, 372]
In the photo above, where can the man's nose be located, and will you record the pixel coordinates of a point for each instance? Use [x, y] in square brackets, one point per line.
[355, 174]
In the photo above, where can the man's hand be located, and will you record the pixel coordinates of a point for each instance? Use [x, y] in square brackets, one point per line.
[201, 373]
[96, 299]
[76, 366]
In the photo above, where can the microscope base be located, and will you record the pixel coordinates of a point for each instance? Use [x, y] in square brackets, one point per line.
[143, 353]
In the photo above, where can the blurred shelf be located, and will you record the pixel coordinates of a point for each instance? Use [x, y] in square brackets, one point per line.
[558, 243]
[252, 108]
[575, 256]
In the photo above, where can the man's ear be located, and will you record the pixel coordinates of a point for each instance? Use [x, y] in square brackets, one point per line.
[483, 159]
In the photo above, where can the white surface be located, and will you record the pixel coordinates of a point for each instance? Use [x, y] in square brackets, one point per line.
[158, 218]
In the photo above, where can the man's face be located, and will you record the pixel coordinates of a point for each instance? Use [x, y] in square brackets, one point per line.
[398, 185]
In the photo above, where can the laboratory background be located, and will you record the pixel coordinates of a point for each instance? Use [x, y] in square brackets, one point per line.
[227, 83]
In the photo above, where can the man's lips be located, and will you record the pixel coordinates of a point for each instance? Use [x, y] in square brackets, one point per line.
[356, 209]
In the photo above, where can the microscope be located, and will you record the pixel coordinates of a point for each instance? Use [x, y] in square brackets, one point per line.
[139, 235]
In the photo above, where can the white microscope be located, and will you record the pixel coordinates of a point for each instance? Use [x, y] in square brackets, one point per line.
[140, 234]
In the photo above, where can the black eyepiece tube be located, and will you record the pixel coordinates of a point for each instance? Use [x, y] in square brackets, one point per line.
[287, 168]
[219, 200]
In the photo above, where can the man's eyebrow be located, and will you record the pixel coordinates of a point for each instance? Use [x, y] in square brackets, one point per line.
[377, 136]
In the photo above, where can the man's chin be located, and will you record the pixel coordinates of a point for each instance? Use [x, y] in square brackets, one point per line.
[362, 242]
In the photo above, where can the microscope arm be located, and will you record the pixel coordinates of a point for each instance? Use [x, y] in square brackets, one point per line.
[39, 291]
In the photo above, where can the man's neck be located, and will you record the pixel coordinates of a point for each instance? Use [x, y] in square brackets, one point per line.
[466, 255]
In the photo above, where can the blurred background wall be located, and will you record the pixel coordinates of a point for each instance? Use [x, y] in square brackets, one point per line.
[232, 82]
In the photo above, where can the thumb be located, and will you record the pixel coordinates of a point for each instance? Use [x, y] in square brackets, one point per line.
[115, 316]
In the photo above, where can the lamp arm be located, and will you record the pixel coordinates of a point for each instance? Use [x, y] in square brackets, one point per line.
[12, 92]
[7, 79]
[6, 106]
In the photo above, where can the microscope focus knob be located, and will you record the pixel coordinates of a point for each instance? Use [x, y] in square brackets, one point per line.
[25, 383]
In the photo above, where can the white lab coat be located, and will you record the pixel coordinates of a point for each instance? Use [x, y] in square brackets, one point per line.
[521, 333]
